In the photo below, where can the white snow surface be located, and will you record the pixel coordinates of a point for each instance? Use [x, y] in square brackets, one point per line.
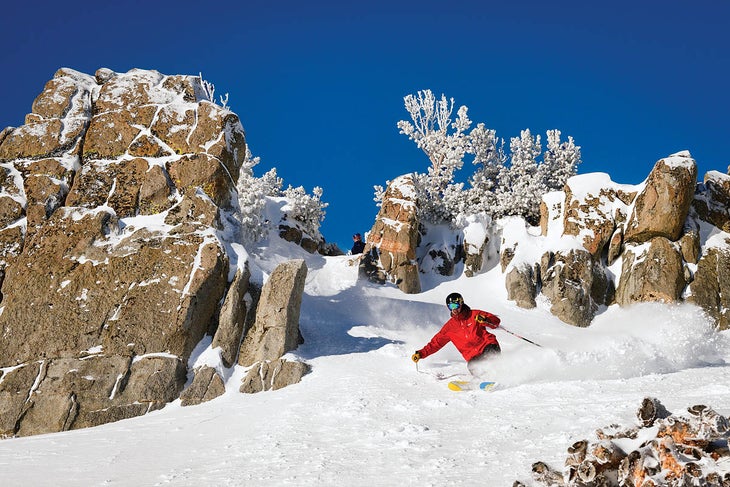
[366, 415]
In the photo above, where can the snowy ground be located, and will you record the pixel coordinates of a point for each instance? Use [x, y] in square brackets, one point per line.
[367, 416]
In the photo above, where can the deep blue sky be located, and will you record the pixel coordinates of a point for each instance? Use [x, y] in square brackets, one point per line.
[319, 86]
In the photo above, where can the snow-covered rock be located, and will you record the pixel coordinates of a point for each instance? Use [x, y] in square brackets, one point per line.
[113, 235]
[600, 243]
[390, 249]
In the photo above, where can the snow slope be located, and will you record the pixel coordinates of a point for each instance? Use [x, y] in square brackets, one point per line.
[366, 415]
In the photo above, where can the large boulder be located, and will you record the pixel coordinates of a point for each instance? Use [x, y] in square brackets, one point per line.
[591, 212]
[207, 384]
[576, 285]
[651, 272]
[661, 209]
[266, 376]
[276, 329]
[711, 286]
[521, 283]
[713, 204]
[390, 250]
[232, 318]
[112, 197]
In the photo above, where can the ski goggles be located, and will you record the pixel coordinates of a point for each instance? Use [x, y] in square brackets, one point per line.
[454, 305]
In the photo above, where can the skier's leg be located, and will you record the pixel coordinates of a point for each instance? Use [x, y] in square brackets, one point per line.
[479, 366]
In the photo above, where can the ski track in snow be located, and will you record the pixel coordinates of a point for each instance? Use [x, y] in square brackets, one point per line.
[366, 416]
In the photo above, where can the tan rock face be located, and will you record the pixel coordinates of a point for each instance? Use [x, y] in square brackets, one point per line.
[232, 318]
[58, 121]
[110, 264]
[276, 329]
[575, 284]
[137, 297]
[267, 376]
[651, 272]
[390, 250]
[520, 283]
[207, 384]
[711, 286]
[713, 205]
[661, 208]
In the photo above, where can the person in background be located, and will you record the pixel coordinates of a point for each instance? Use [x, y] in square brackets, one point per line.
[467, 330]
[357, 244]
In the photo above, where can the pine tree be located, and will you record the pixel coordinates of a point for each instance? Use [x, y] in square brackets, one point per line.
[560, 161]
[489, 155]
[251, 200]
[307, 210]
[521, 185]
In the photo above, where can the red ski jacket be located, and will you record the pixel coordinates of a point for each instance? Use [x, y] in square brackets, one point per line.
[468, 336]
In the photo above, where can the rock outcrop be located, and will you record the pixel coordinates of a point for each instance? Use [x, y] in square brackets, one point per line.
[661, 209]
[652, 271]
[664, 449]
[114, 195]
[390, 250]
[232, 319]
[267, 376]
[710, 288]
[207, 384]
[652, 229]
[576, 285]
[275, 331]
[713, 204]
[602, 243]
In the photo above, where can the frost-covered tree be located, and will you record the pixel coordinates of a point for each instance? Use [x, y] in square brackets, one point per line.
[306, 209]
[251, 200]
[271, 183]
[496, 188]
[490, 158]
[445, 142]
[520, 183]
[560, 161]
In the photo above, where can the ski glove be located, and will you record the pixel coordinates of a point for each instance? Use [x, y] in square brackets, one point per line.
[416, 357]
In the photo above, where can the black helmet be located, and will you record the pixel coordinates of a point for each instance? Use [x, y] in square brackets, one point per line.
[454, 298]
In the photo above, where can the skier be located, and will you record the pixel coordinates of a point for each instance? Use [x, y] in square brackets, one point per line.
[467, 330]
[357, 244]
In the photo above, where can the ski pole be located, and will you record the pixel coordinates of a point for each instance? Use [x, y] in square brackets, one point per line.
[518, 336]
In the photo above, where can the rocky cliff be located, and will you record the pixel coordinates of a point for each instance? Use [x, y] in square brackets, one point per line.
[599, 243]
[115, 218]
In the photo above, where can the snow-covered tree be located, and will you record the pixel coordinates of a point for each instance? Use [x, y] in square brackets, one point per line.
[520, 184]
[560, 161]
[271, 183]
[251, 201]
[445, 142]
[306, 209]
[490, 158]
[495, 189]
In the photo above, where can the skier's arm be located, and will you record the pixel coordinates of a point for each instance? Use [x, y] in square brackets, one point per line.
[487, 319]
[437, 343]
